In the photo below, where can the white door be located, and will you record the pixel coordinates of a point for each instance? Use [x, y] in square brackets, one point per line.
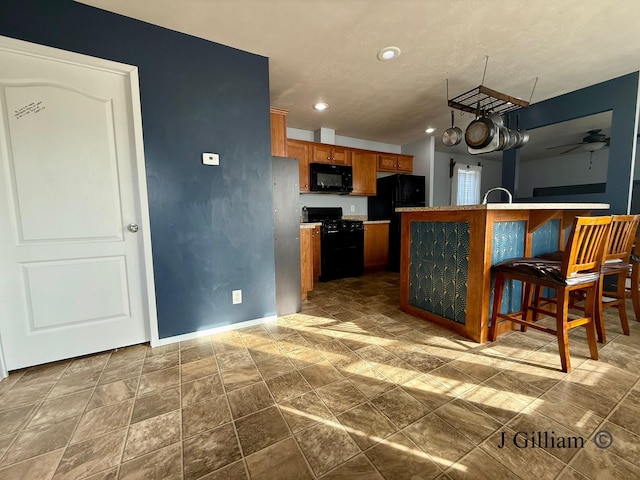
[74, 279]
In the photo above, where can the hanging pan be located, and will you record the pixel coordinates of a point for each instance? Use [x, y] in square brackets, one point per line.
[480, 132]
[504, 136]
[511, 139]
[452, 136]
[523, 135]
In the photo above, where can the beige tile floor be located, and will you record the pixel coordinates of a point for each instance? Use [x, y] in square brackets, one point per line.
[351, 388]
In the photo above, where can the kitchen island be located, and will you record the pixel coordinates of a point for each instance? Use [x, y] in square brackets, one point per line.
[447, 253]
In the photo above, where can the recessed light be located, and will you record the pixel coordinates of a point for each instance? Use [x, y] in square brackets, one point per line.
[430, 130]
[321, 106]
[388, 53]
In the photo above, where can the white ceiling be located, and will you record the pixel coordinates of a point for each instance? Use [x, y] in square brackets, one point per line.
[325, 50]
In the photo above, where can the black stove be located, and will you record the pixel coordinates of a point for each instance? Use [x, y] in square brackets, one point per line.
[342, 225]
[341, 243]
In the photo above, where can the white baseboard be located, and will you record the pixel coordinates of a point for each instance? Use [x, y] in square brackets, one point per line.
[211, 331]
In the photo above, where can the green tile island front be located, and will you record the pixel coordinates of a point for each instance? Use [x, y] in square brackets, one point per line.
[447, 254]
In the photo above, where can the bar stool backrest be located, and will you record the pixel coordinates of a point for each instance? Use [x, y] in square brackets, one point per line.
[586, 245]
[621, 237]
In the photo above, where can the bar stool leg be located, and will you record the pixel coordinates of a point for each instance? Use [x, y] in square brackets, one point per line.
[536, 303]
[497, 302]
[591, 326]
[598, 313]
[526, 303]
[562, 312]
[635, 294]
[622, 308]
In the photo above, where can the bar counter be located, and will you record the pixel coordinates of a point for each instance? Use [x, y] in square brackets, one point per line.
[447, 254]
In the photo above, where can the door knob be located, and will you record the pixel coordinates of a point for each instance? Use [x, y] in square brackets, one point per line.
[132, 227]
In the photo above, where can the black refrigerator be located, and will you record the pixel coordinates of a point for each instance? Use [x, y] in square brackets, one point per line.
[395, 191]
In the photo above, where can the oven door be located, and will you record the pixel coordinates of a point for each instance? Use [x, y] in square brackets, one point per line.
[342, 253]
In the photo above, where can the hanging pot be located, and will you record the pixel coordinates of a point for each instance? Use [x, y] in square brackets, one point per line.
[523, 135]
[522, 138]
[511, 140]
[496, 118]
[452, 136]
[480, 133]
[504, 138]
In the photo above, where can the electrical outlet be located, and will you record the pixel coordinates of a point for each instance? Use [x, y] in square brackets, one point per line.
[353, 208]
[236, 297]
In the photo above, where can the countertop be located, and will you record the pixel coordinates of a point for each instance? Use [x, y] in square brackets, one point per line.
[310, 225]
[510, 206]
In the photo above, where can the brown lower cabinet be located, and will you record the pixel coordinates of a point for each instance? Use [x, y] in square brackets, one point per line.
[306, 261]
[376, 246]
[315, 244]
[309, 258]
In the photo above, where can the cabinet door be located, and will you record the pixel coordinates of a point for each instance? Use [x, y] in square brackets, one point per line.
[300, 150]
[327, 154]
[322, 153]
[387, 163]
[405, 163]
[376, 245]
[364, 173]
[278, 132]
[340, 156]
[315, 244]
[306, 261]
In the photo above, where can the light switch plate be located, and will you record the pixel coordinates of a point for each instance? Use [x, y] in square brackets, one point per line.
[210, 159]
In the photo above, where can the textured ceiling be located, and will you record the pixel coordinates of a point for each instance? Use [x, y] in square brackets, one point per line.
[325, 50]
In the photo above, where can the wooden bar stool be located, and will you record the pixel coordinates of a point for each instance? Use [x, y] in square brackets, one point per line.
[616, 262]
[578, 270]
[633, 286]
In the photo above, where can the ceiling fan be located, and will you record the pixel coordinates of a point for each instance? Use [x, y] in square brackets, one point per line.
[592, 142]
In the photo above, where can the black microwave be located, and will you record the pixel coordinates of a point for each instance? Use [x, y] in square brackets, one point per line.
[325, 177]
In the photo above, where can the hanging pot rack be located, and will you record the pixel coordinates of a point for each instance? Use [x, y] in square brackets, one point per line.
[484, 100]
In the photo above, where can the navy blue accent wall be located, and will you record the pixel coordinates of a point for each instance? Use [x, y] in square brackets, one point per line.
[211, 227]
[619, 95]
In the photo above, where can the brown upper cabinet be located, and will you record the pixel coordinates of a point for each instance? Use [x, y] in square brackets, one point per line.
[278, 132]
[365, 163]
[364, 172]
[302, 151]
[388, 162]
[323, 153]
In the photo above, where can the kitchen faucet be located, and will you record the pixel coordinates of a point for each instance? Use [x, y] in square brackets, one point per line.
[486, 195]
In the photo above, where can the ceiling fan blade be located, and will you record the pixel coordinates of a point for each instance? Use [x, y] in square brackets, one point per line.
[567, 145]
[572, 149]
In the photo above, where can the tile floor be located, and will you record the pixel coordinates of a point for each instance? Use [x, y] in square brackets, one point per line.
[351, 388]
